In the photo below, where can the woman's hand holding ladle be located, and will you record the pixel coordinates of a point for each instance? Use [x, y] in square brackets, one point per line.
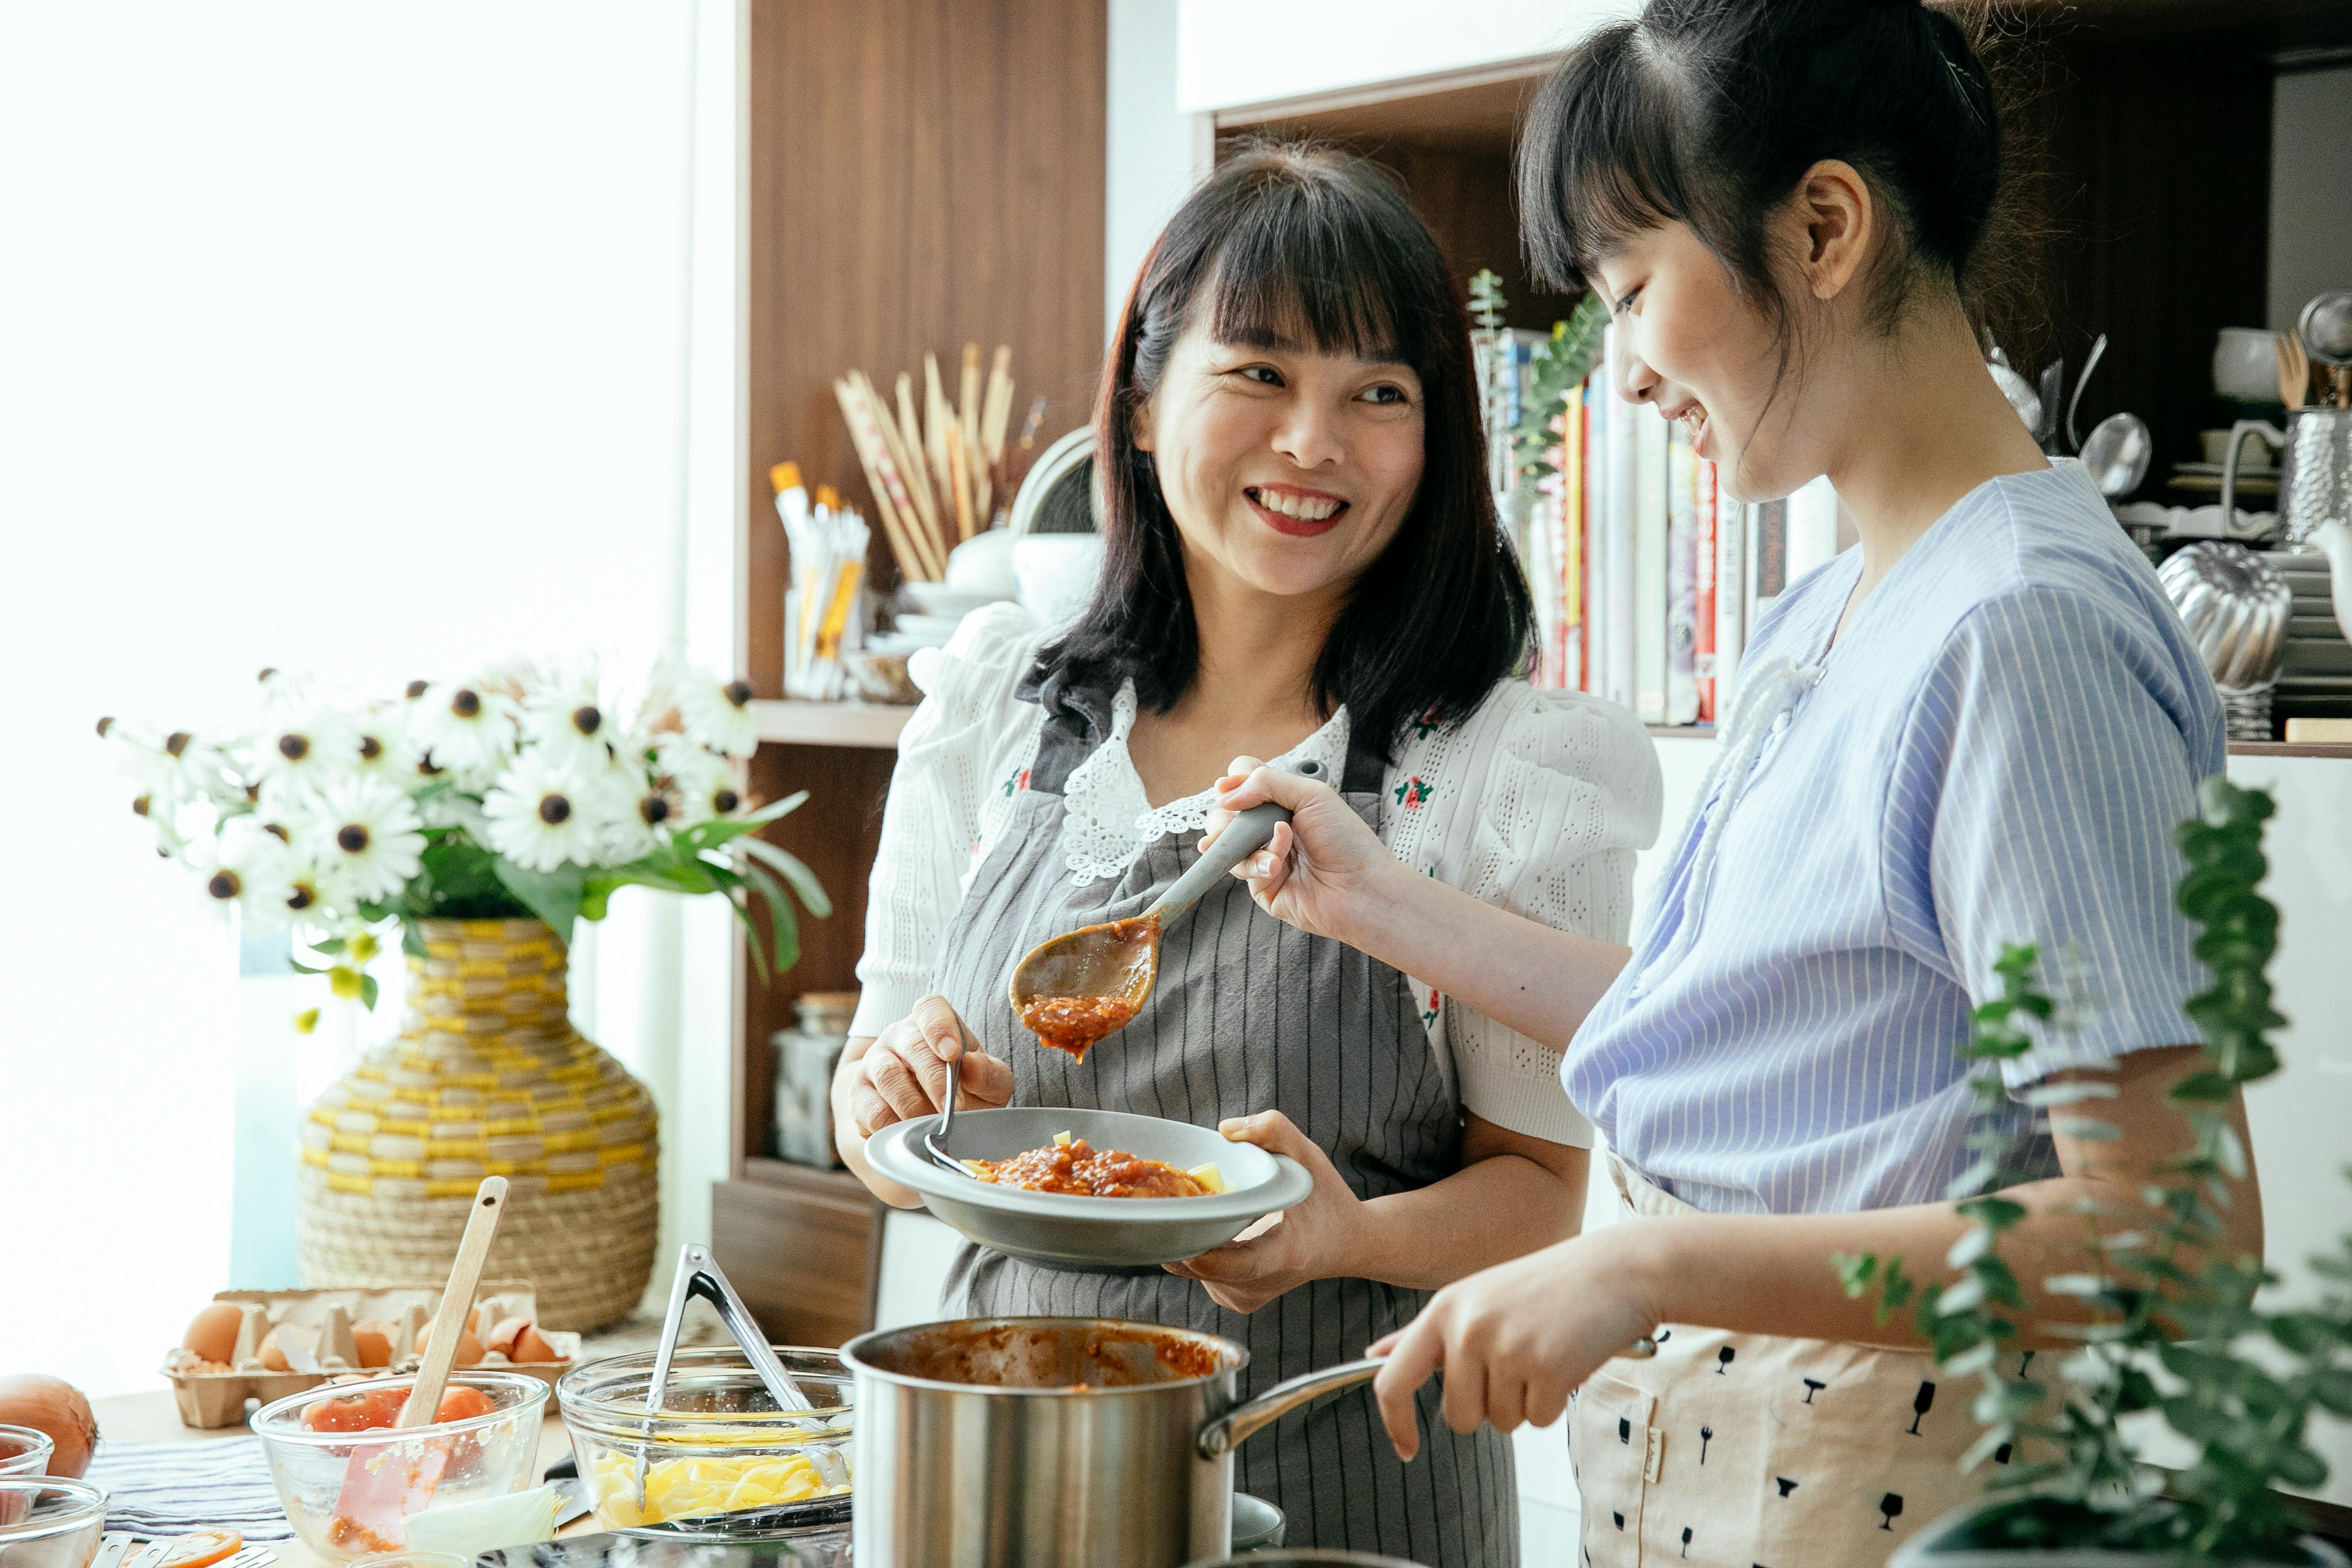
[1323, 870]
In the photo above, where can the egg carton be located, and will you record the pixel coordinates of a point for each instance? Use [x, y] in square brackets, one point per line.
[324, 1318]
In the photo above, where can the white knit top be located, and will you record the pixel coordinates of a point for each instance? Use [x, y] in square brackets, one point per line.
[1536, 803]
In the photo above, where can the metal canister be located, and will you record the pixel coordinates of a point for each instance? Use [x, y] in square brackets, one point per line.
[806, 1056]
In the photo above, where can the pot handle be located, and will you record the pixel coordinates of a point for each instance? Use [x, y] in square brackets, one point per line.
[1227, 1431]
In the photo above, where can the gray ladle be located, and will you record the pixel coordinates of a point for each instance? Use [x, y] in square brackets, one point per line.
[1117, 963]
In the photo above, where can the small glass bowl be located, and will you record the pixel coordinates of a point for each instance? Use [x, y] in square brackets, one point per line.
[481, 1457]
[404, 1558]
[721, 1461]
[49, 1521]
[24, 1451]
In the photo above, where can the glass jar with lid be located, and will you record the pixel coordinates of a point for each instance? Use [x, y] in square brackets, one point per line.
[806, 1056]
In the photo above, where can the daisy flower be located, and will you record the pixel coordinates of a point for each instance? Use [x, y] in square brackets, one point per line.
[244, 869]
[367, 837]
[171, 770]
[297, 760]
[701, 783]
[572, 722]
[467, 729]
[541, 816]
[718, 714]
[382, 747]
[648, 810]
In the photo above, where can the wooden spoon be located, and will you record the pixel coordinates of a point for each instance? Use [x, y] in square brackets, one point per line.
[2294, 369]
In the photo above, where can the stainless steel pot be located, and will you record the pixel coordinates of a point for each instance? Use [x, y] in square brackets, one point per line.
[1081, 1442]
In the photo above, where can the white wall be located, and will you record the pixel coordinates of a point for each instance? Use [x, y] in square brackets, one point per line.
[2311, 190]
[360, 339]
[1235, 52]
[1150, 160]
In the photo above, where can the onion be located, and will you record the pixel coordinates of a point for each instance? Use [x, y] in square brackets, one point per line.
[53, 1406]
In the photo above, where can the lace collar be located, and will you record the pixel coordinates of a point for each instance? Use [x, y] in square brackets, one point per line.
[1107, 821]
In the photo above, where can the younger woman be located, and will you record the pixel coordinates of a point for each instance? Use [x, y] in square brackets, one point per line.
[1979, 728]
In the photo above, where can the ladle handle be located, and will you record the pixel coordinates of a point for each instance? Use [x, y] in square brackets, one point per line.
[1243, 837]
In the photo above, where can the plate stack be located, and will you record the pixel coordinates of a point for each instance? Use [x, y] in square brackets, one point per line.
[2316, 676]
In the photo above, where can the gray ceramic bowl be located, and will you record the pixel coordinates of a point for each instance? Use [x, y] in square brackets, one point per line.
[1064, 1231]
[1258, 1523]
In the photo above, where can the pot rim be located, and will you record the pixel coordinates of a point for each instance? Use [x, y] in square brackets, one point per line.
[851, 1356]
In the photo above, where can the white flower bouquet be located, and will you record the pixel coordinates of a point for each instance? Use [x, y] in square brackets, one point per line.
[523, 794]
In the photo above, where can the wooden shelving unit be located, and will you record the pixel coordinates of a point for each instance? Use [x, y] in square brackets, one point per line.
[920, 176]
[855, 724]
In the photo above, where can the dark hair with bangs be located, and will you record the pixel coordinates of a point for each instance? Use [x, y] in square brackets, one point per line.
[1305, 244]
[1709, 111]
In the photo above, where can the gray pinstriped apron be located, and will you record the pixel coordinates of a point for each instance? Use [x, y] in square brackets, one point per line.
[1248, 1014]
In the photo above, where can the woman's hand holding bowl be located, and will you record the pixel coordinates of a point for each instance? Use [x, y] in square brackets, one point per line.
[1324, 1237]
[904, 1073]
[1324, 871]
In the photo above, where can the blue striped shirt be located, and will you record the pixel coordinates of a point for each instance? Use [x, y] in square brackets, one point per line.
[1997, 751]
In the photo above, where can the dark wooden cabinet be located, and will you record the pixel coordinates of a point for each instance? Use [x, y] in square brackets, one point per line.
[921, 174]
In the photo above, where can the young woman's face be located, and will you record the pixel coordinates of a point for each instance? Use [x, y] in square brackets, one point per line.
[1688, 341]
[1285, 467]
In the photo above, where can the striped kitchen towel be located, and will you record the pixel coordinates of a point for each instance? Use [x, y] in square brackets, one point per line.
[163, 1488]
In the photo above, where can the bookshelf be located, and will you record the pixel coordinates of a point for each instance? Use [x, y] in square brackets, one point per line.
[919, 177]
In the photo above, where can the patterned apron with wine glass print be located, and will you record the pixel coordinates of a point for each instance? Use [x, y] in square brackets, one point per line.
[1247, 1015]
[1754, 1451]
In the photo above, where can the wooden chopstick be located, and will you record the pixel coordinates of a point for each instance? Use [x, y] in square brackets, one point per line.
[959, 466]
[910, 442]
[937, 417]
[968, 401]
[882, 475]
[996, 408]
[918, 490]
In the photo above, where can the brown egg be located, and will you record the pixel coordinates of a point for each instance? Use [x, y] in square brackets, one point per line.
[469, 1348]
[213, 1334]
[373, 1345]
[389, 1333]
[501, 1337]
[202, 1365]
[531, 1346]
[272, 1357]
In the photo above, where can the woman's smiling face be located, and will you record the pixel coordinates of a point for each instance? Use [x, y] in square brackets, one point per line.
[1690, 342]
[1287, 467]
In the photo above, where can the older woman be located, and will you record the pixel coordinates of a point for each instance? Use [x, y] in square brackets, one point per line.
[1303, 562]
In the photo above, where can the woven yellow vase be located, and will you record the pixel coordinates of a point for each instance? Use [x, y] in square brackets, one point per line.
[486, 1077]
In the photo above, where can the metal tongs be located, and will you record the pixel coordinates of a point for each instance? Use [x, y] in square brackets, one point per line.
[698, 1274]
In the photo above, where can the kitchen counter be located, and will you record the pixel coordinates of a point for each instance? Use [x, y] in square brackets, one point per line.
[155, 1419]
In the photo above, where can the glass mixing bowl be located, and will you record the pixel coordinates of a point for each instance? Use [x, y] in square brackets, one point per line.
[24, 1451]
[480, 1457]
[720, 1462]
[49, 1521]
